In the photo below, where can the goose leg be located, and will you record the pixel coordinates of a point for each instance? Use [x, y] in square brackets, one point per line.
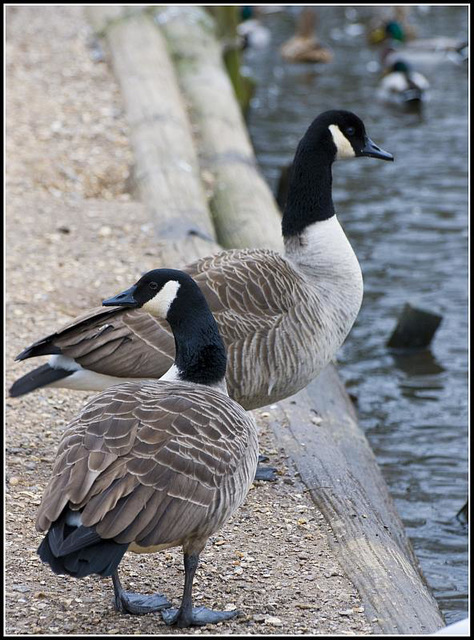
[267, 474]
[186, 615]
[127, 602]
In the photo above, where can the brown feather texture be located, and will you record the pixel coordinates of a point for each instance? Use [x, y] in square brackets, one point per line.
[281, 317]
[271, 316]
[154, 464]
[126, 343]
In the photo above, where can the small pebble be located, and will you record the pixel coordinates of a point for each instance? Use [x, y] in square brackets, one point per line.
[258, 617]
[104, 232]
[276, 622]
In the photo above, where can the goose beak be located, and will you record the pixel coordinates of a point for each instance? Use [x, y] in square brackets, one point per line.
[371, 150]
[124, 299]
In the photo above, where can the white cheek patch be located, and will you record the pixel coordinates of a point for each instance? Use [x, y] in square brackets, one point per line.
[343, 146]
[159, 305]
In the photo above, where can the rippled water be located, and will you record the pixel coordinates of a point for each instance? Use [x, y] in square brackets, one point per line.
[407, 222]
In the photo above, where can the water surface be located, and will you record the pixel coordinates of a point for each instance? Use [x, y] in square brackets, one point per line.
[407, 222]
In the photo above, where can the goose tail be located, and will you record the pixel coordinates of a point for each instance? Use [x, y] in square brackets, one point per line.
[39, 377]
[79, 551]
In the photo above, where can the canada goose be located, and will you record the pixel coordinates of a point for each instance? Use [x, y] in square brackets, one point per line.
[304, 46]
[403, 85]
[149, 465]
[282, 318]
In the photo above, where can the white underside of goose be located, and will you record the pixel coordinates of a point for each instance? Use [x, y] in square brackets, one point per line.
[83, 379]
[324, 254]
[87, 380]
[326, 249]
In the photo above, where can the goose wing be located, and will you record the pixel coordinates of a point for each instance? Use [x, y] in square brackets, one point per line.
[264, 310]
[151, 462]
[113, 341]
[247, 290]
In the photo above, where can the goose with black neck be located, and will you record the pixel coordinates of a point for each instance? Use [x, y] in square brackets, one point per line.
[149, 465]
[282, 317]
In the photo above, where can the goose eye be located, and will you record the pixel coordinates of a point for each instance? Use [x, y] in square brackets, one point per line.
[153, 286]
[350, 131]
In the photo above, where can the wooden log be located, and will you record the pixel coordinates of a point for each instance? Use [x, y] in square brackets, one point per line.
[167, 168]
[318, 429]
[243, 208]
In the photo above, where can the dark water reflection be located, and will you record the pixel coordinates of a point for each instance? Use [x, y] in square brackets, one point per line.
[407, 221]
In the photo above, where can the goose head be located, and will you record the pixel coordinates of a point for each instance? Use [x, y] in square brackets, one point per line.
[333, 135]
[341, 135]
[173, 296]
[155, 292]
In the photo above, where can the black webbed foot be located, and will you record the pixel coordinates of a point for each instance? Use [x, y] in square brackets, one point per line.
[268, 474]
[136, 603]
[139, 605]
[198, 616]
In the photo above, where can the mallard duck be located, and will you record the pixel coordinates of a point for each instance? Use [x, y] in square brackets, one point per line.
[149, 465]
[402, 44]
[403, 85]
[253, 32]
[393, 25]
[282, 317]
[305, 46]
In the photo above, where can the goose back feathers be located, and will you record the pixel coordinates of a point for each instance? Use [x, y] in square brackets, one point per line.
[153, 464]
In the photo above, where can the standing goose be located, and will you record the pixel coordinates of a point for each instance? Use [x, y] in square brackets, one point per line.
[149, 465]
[282, 317]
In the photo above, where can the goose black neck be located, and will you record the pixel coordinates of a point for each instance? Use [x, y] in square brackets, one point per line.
[200, 353]
[310, 186]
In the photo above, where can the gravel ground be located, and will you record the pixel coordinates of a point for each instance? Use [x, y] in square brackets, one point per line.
[75, 236]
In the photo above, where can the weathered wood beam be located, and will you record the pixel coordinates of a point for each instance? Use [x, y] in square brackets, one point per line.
[318, 429]
[167, 169]
[243, 208]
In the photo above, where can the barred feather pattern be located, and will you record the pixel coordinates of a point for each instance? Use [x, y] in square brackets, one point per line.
[153, 463]
[120, 342]
[282, 318]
